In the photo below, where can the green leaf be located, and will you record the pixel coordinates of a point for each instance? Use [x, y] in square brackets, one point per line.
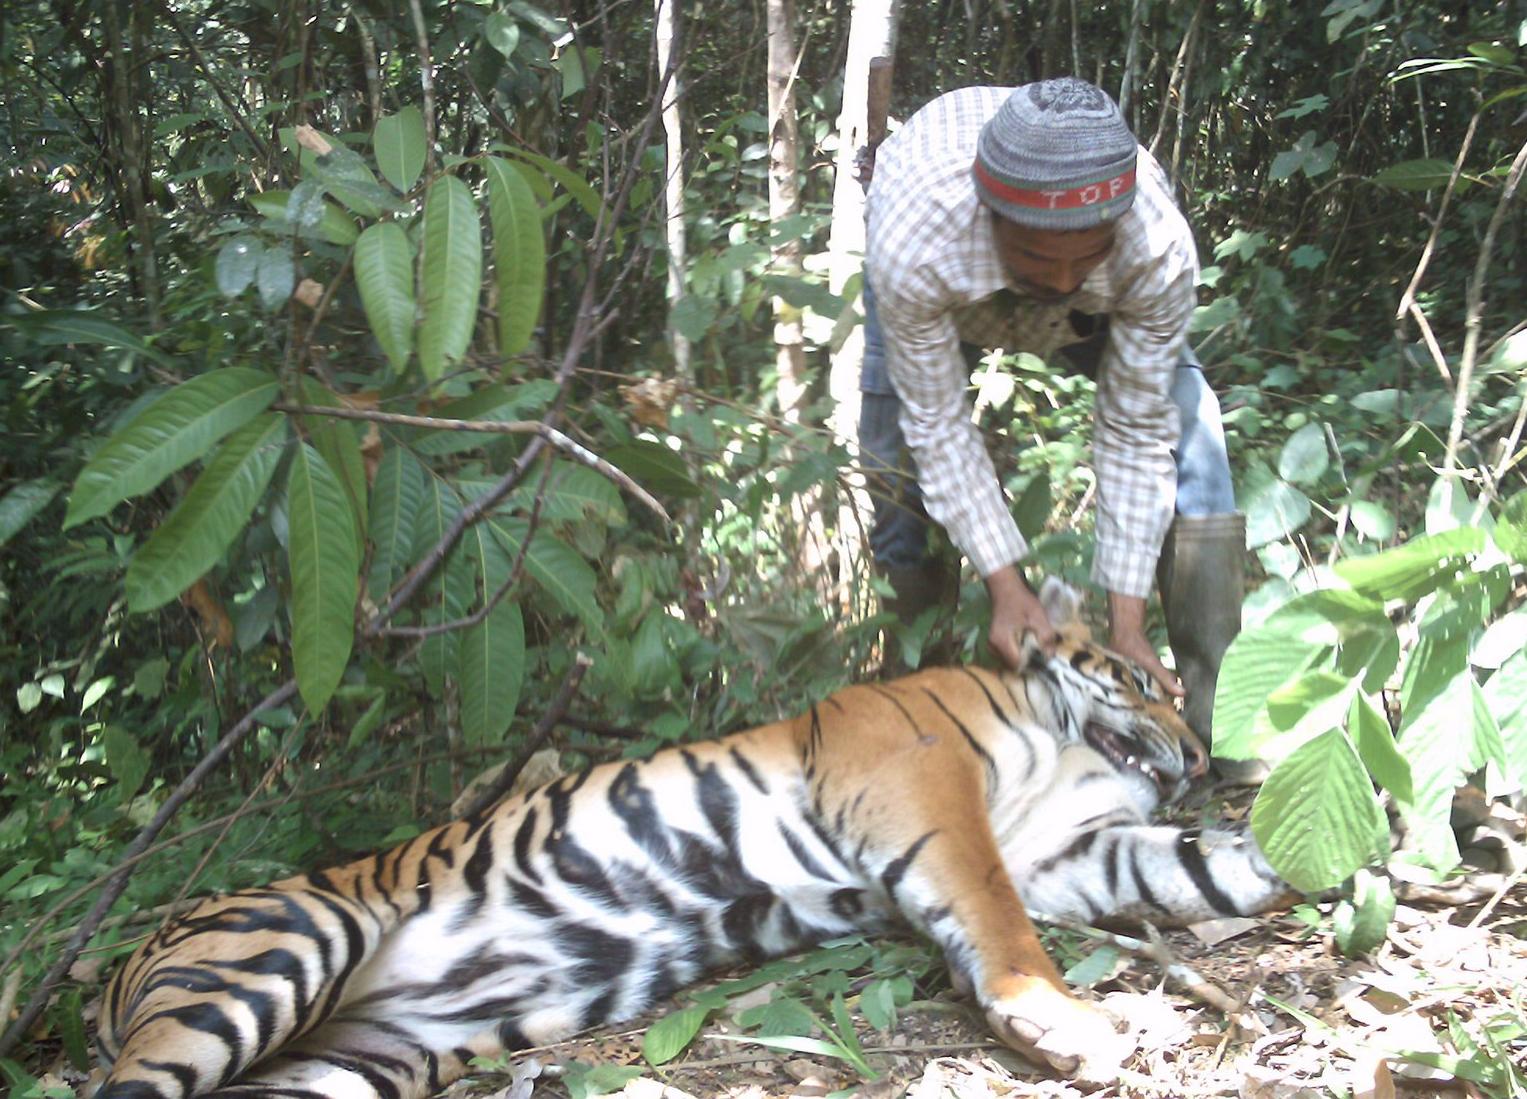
[384, 274]
[396, 494]
[1032, 511]
[692, 315]
[67, 1015]
[654, 467]
[1511, 529]
[586, 1082]
[1416, 175]
[499, 403]
[575, 185]
[452, 275]
[51, 327]
[1307, 105]
[178, 427]
[1376, 748]
[25, 502]
[238, 260]
[1372, 521]
[1505, 696]
[205, 522]
[878, 1002]
[1510, 354]
[28, 697]
[345, 175]
[501, 32]
[575, 492]
[1098, 966]
[304, 207]
[1305, 456]
[275, 277]
[1437, 738]
[1362, 924]
[398, 141]
[519, 255]
[671, 1035]
[335, 439]
[492, 664]
[129, 763]
[1273, 511]
[1410, 571]
[577, 63]
[781, 1015]
[335, 227]
[324, 557]
[557, 570]
[1316, 817]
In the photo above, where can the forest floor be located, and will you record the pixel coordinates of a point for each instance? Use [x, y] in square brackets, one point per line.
[1438, 1009]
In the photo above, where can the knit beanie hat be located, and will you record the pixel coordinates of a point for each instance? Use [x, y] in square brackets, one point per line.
[1057, 155]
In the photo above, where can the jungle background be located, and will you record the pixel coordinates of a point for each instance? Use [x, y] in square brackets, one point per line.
[272, 593]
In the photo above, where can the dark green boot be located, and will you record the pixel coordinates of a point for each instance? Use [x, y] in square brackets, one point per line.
[1201, 575]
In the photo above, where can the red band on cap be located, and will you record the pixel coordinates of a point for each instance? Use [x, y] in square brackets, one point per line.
[1067, 198]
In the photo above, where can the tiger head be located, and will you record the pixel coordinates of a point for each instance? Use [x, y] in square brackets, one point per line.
[1115, 706]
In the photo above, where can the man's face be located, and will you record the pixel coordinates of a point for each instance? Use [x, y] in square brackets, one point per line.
[1050, 264]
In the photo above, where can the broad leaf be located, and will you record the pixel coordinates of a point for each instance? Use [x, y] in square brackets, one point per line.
[238, 260]
[492, 666]
[557, 570]
[52, 327]
[1437, 738]
[384, 273]
[1417, 175]
[213, 511]
[1505, 695]
[128, 761]
[335, 439]
[1511, 530]
[499, 403]
[1376, 748]
[519, 255]
[1273, 510]
[671, 1035]
[452, 275]
[574, 184]
[177, 428]
[396, 495]
[398, 141]
[275, 277]
[654, 467]
[325, 559]
[448, 592]
[1305, 456]
[1410, 571]
[345, 175]
[335, 226]
[575, 492]
[1372, 521]
[502, 33]
[22, 504]
[1316, 817]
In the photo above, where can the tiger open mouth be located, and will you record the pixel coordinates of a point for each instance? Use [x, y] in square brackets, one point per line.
[1120, 749]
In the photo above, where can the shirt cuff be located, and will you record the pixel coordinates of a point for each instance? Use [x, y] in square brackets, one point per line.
[1006, 547]
[1124, 569]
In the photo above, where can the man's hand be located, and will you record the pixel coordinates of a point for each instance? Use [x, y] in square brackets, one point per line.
[1014, 609]
[1126, 621]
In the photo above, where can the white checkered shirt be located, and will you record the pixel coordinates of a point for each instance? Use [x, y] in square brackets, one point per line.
[934, 266]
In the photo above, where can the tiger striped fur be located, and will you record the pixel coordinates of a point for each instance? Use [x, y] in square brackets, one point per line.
[936, 800]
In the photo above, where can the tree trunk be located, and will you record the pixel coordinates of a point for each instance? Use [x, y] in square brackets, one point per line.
[872, 34]
[785, 202]
[666, 14]
[124, 76]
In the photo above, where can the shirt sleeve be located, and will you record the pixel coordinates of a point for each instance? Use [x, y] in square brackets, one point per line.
[1137, 425]
[959, 484]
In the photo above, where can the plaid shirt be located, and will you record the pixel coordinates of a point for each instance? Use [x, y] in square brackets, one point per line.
[938, 280]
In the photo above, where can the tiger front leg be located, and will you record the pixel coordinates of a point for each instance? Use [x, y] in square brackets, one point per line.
[953, 886]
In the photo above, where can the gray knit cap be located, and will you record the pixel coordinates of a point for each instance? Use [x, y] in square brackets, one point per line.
[1057, 155]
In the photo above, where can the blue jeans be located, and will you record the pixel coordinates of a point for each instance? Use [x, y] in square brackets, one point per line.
[899, 537]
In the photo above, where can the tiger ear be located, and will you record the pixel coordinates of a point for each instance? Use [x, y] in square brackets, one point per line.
[1062, 603]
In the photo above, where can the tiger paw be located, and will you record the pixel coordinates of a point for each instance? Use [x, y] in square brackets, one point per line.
[1072, 1037]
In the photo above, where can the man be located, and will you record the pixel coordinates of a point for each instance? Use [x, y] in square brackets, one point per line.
[1030, 219]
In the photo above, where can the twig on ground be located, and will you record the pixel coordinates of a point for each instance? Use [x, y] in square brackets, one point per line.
[1157, 951]
[505, 778]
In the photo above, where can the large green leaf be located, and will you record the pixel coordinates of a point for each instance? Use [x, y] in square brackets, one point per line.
[21, 505]
[335, 226]
[177, 428]
[1274, 510]
[396, 495]
[452, 275]
[1511, 529]
[1416, 175]
[1376, 748]
[448, 593]
[1410, 571]
[1316, 817]
[500, 403]
[213, 511]
[1305, 456]
[1264, 658]
[575, 492]
[575, 185]
[556, 568]
[1437, 738]
[492, 666]
[345, 175]
[519, 255]
[325, 560]
[1505, 694]
[670, 1035]
[336, 441]
[384, 272]
[81, 326]
[654, 467]
[398, 141]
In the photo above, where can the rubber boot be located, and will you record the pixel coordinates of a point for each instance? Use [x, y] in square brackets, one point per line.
[918, 588]
[1201, 575]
